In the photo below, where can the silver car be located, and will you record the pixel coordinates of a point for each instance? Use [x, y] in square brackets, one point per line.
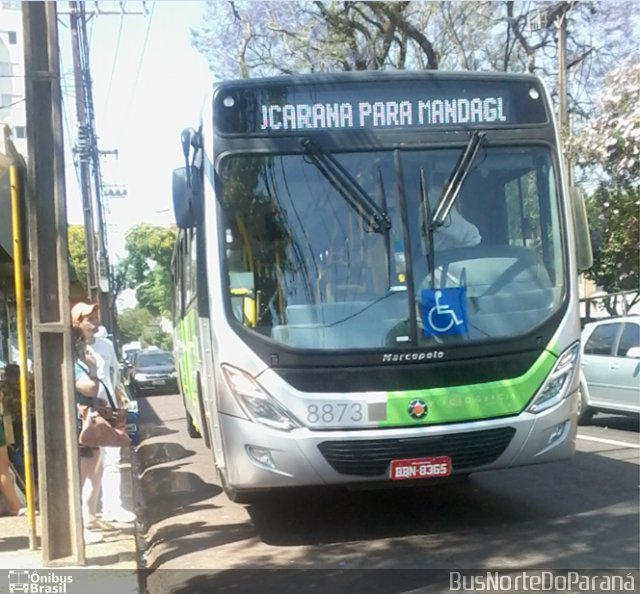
[610, 373]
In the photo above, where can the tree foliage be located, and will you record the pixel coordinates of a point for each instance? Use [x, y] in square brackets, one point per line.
[611, 138]
[609, 147]
[139, 324]
[77, 261]
[149, 251]
[248, 38]
[145, 268]
[132, 323]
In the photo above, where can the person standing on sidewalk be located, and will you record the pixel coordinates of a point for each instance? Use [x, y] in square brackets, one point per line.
[86, 317]
[7, 488]
[86, 390]
[10, 393]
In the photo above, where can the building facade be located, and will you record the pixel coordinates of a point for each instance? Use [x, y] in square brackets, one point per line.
[12, 104]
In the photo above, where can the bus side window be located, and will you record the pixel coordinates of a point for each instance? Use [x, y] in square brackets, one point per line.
[179, 278]
[193, 266]
[522, 211]
[241, 281]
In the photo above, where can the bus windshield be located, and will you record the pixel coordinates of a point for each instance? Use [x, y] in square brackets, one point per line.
[306, 270]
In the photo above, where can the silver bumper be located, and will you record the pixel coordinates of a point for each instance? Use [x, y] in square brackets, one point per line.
[297, 462]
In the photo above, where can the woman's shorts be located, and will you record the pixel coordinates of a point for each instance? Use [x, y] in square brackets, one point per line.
[87, 452]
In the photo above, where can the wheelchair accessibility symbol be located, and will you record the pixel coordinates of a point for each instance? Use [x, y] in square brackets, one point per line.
[444, 311]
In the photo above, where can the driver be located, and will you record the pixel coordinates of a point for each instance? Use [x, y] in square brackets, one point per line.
[456, 231]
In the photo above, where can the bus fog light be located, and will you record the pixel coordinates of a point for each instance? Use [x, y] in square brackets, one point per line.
[556, 432]
[261, 456]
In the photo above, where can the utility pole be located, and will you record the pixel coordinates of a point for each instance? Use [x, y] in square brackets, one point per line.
[83, 154]
[558, 16]
[88, 154]
[562, 72]
[62, 536]
[89, 159]
[104, 295]
[563, 99]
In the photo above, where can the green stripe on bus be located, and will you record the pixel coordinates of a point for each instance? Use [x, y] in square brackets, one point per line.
[187, 330]
[471, 402]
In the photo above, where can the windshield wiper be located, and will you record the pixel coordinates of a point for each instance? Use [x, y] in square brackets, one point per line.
[355, 195]
[428, 226]
[460, 173]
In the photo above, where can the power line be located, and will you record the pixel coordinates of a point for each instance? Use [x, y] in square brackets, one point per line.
[113, 67]
[67, 125]
[66, 92]
[140, 61]
[12, 104]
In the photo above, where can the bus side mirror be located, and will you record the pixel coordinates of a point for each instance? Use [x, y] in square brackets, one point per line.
[187, 196]
[584, 250]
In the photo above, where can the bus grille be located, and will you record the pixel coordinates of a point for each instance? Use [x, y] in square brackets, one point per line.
[371, 457]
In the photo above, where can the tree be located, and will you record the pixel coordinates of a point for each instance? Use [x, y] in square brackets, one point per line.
[77, 262]
[264, 38]
[249, 38]
[148, 266]
[78, 268]
[608, 146]
[139, 324]
[132, 323]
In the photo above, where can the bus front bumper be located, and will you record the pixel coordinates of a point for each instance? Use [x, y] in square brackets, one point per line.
[258, 457]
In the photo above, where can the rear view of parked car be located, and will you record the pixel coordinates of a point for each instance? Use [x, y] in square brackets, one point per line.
[610, 374]
[153, 372]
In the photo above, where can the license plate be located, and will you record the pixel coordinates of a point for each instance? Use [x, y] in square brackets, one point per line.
[157, 382]
[420, 468]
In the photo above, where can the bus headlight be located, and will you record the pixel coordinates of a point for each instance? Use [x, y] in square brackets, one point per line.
[558, 382]
[258, 405]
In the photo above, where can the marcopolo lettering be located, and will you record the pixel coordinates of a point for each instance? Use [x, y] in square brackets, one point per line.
[412, 357]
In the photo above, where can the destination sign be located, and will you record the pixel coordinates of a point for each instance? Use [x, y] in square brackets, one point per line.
[384, 104]
[382, 114]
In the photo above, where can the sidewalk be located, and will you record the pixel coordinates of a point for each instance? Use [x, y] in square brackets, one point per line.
[117, 551]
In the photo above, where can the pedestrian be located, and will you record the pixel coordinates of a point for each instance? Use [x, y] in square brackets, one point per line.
[86, 317]
[86, 390]
[7, 485]
[10, 389]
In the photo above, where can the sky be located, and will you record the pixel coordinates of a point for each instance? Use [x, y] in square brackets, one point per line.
[148, 85]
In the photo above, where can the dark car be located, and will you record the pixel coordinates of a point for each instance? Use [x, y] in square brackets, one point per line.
[153, 372]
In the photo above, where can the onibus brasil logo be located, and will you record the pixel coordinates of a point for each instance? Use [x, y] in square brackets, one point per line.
[37, 582]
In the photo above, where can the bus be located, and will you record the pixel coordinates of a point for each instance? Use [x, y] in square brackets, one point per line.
[375, 279]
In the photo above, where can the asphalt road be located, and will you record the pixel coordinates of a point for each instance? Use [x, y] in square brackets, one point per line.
[581, 514]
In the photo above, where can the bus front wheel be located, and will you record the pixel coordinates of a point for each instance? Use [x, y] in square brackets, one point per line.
[235, 495]
[204, 427]
[191, 428]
